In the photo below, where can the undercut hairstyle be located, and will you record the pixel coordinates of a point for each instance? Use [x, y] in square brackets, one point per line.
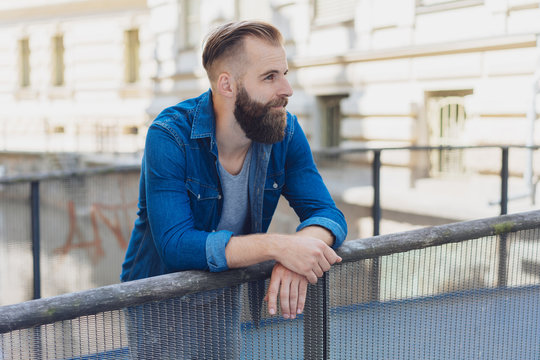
[227, 40]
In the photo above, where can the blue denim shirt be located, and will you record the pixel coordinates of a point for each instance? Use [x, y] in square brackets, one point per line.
[180, 199]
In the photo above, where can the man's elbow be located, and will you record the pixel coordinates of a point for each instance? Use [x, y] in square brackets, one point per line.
[181, 255]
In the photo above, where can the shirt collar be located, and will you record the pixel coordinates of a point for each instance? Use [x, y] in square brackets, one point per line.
[204, 121]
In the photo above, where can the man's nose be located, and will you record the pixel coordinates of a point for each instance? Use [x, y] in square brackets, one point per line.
[285, 89]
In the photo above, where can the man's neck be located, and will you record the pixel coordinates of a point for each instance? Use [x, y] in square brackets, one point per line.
[231, 140]
[232, 150]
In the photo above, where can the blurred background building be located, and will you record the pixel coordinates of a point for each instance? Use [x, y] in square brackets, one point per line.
[88, 75]
[81, 80]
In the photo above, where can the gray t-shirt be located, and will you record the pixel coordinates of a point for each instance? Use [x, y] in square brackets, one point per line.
[235, 212]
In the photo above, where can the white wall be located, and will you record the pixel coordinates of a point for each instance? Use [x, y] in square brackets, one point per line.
[389, 59]
[94, 96]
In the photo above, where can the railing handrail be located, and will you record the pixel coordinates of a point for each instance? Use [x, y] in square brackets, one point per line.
[381, 245]
[326, 151]
[113, 297]
[61, 174]
[341, 150]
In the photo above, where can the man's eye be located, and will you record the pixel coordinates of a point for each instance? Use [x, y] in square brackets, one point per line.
[270, 77]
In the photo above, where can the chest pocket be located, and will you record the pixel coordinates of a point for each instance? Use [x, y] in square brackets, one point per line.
[272, 191]
[204, 204]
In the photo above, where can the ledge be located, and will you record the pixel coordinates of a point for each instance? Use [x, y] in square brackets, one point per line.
[456, 47]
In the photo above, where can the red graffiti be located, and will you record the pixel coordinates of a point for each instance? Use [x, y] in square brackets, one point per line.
[76, 238]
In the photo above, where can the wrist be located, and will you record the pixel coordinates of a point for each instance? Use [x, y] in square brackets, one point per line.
[274, 246]
[319, 232]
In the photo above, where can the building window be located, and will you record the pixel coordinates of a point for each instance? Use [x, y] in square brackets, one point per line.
[330, 126]
[446, 121]
[131, 38]
[333, 11]
[58, 60]
[24, 63]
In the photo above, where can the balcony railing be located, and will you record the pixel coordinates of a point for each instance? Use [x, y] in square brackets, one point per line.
[63, 224]
[463, 290]
[438, 295]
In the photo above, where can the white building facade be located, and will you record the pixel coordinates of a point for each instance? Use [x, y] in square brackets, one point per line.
[89, 75]
[65, 82]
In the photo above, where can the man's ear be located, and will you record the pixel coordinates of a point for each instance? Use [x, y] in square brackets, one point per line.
[225, 85]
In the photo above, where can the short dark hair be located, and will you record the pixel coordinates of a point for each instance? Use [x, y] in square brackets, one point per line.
[227, 39]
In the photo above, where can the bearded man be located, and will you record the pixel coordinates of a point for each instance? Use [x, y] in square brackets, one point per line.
[215, 167]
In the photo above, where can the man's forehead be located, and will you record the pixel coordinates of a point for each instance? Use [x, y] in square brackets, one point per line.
[264, 57]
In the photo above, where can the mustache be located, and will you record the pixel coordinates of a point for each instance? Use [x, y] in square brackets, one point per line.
[281, 101]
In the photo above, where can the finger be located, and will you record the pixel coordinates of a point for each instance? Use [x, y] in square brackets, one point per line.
[311, 277]
[302, 293]
[273, 289]
[293, 298]
[331, 256]
[284, 298]
[318, 271]
[324, 264]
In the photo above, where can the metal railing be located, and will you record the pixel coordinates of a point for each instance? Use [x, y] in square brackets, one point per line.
[69, 194]
[473, 319]
[376, 169]
[34, 183]
[376, 164]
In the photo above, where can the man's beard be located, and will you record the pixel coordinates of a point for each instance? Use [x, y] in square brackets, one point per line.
[261, 122]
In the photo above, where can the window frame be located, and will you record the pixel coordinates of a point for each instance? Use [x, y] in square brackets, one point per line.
[132, 60]
[58, 60]
[347, 18]
[24, 63]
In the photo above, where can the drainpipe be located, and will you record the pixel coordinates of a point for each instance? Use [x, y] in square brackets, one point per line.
[531, 116]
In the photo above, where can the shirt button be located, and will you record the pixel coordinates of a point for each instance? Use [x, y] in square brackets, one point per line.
[275, 185]
[219, 197]
[198, 196]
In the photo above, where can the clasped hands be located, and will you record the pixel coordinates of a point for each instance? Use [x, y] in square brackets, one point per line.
[303, 260]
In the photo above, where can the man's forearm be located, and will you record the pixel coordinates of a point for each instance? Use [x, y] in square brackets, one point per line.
[307, 252]
[246, 250]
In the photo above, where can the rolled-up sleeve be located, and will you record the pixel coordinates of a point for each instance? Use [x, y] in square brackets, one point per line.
[215, 250]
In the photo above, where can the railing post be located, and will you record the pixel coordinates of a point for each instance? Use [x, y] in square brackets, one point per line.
[34, 208]
[504, 181]
[503, 247]
[376, 208]
[376, 215]
[34, 216]
[316, 321]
